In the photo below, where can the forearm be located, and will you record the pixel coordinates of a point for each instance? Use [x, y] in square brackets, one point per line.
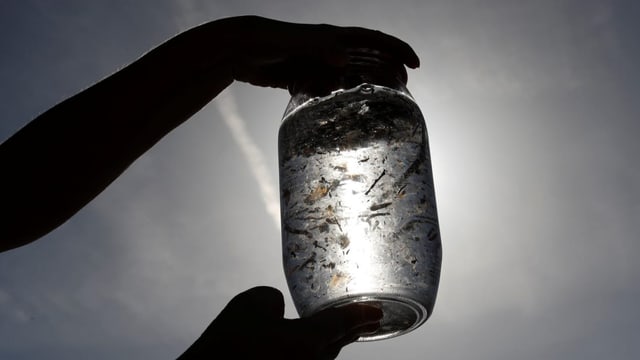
[65, 157]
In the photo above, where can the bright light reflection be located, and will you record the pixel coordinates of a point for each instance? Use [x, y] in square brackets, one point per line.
[360, 269]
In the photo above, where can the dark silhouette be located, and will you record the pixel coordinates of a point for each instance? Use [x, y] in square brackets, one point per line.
[65, 157]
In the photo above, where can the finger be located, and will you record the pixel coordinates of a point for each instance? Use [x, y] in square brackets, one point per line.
[338, 322]
[333, 350]
[375, 39]
[331, 37]
[331, 327]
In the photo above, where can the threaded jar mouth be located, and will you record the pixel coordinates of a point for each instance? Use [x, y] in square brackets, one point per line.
[401, 314]
[363, 66]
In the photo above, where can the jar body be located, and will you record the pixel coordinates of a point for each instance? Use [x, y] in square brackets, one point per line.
[358, 210]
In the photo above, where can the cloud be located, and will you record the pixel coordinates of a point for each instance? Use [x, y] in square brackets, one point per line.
[228, 109]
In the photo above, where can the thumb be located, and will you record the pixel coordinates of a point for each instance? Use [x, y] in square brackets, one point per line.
[258, 303]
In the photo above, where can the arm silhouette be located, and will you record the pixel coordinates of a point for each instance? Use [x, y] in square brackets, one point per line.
[65, 157]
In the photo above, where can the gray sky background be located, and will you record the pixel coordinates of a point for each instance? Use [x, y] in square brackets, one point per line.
[532, 114]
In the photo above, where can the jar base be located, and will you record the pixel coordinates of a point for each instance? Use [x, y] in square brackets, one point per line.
[401, 314]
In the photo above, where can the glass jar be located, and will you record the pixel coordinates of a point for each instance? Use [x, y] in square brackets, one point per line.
[358, 208]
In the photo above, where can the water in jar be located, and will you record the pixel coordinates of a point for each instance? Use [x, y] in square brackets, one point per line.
[359, 220]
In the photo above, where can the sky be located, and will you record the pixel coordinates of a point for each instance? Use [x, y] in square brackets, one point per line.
[532, 113]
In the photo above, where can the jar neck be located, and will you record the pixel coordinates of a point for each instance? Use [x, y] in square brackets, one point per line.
[363, 66]
[372, 67]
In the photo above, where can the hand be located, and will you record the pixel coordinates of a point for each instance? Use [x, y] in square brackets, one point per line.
[252, 326]
[273, 53]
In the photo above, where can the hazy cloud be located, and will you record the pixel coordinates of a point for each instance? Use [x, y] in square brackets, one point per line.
[228, 109]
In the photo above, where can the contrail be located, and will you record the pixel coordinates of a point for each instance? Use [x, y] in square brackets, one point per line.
[226, 105]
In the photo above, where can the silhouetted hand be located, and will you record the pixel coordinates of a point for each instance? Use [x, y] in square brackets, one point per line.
[273, 53]
[252, 326]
